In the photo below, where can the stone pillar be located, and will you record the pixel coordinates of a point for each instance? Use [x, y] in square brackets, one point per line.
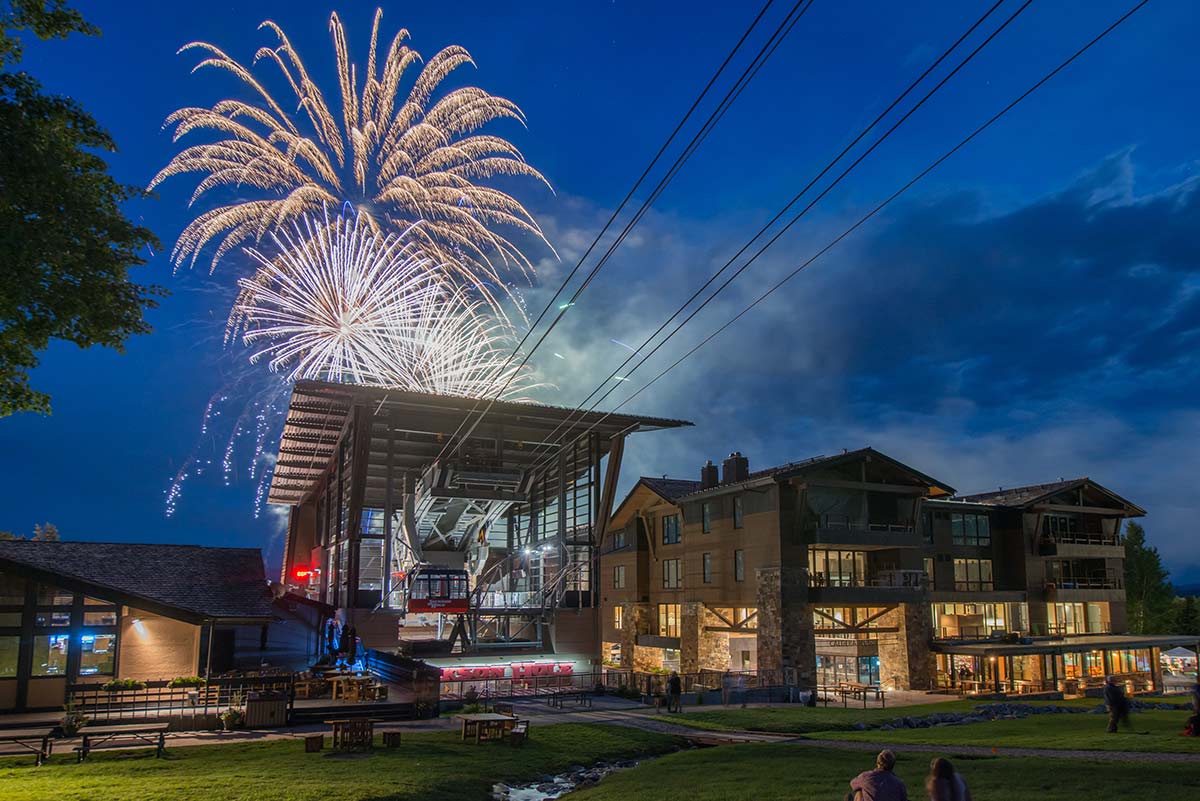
[787, 650]
[635, 620]
[905, 661]
[714, 645]
[691, 621]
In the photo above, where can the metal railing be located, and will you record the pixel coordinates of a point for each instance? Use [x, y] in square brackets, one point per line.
[1083, 538]
[892, 579]
[846, 523]
[159, 699]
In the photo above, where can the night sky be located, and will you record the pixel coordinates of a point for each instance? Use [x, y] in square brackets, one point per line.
[1030, 311]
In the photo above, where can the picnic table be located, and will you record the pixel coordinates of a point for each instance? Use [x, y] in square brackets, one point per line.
[482, 726]
[154, 734]
[36, 740]
[353, 734]
[349, 687]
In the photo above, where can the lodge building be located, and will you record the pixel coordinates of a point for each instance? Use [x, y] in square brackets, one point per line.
[858, 568]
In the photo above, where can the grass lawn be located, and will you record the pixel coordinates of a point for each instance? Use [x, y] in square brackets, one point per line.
[429, 767]
[782, 772]
[1075, 732]
[803, 719]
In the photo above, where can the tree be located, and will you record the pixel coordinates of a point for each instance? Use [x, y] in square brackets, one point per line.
[43, 532]
[1187, 616]
[1148, 593]
[66, 247]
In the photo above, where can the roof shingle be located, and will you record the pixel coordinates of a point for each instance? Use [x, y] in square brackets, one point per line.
[201, 581]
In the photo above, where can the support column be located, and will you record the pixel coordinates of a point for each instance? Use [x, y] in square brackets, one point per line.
[905, 661]
[787, 650]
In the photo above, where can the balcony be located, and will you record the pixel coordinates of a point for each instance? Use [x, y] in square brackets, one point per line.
[882, 586]
[1080, 545]
[841, 530]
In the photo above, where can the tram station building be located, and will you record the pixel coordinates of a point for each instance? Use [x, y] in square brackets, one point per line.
[857, 568]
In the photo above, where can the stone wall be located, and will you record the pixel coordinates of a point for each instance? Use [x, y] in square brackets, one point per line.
[700, 649]
[635, 620]
[905, 661]
[786, 643]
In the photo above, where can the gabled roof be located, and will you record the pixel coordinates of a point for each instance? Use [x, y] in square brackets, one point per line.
[798, 468]
[1032, 494]
[187, 582]
[670, 489]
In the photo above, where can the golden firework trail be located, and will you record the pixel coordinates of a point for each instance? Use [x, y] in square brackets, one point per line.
[399, 160]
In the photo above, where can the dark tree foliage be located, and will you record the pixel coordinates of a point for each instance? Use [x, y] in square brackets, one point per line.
[66, 247]
[1148, 593]
[1187, 616]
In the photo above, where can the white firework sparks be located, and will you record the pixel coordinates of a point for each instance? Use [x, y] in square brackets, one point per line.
[397, 162]
[340, 302]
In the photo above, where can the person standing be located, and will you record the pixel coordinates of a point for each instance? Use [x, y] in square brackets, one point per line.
[674, 693]
[343, 644]
[1117, 703]
[944, 783]
[331, 639]
[881, 784]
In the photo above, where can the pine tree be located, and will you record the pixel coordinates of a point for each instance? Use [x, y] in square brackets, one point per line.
[1187, 616]
[1148, 593]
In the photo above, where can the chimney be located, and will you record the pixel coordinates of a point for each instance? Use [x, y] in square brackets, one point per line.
[735, 468]
[708, 475]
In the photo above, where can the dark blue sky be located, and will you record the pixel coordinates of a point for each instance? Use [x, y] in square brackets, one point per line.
[1030, 311]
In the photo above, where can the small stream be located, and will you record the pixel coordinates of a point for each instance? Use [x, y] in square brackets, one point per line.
[550, 787]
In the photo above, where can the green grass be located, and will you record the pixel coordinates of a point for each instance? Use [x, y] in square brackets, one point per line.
[801, 719]
[430, 767]
[1072, 732]
[783, 772]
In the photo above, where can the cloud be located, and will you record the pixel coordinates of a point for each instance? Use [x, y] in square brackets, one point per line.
[985, 346]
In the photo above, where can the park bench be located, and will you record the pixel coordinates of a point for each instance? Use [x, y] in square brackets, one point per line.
[154, 734]
[36, 740]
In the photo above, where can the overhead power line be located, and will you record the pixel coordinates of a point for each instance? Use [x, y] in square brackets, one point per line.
[874, 211]
[781, 31]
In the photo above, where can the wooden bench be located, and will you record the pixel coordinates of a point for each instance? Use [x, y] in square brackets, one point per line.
[36, 740]
[519, 733]
[501, 708]
[154, 734]
[313, 741]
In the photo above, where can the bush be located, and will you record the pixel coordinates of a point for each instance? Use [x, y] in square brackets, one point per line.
[72, 721]
[186, 681]
[233, 717]
[117, 685]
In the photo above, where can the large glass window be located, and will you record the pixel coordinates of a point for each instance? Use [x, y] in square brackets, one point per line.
[970, 529]
[828, 568]
[970, 621]
[372, 523]
[672, 580]
[973, 575]
[833, 670]
[670, 529]
[668, 620]
[97, 653]
[53, 596]
[370, 563]
[10, 647]
[50, 654]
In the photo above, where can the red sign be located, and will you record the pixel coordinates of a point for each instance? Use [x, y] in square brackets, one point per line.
[517, 670]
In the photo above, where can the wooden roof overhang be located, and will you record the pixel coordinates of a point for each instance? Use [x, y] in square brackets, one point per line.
[410, 430]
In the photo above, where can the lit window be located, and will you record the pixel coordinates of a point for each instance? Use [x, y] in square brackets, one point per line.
[973, 575]
[739, 565]
[97, 653]
[618, 617]
[50, 654]
[668, 620]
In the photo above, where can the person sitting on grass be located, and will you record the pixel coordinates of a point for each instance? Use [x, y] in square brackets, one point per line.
[944, 783]
[880, 784]
[1117, 703]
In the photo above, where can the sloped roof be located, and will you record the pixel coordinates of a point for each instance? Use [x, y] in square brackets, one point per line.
[670, 488]
[190, 582]
[802, 465]
[1031, 494]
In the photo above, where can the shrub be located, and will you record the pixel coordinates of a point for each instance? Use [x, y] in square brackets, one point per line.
[117, 685]
[233, 717]
[72, 721]
[186, 681]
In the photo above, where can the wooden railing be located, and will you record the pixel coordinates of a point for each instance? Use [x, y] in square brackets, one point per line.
[158, 699]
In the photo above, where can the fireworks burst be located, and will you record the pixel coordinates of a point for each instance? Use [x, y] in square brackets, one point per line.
[339, 302]
[395, 162]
